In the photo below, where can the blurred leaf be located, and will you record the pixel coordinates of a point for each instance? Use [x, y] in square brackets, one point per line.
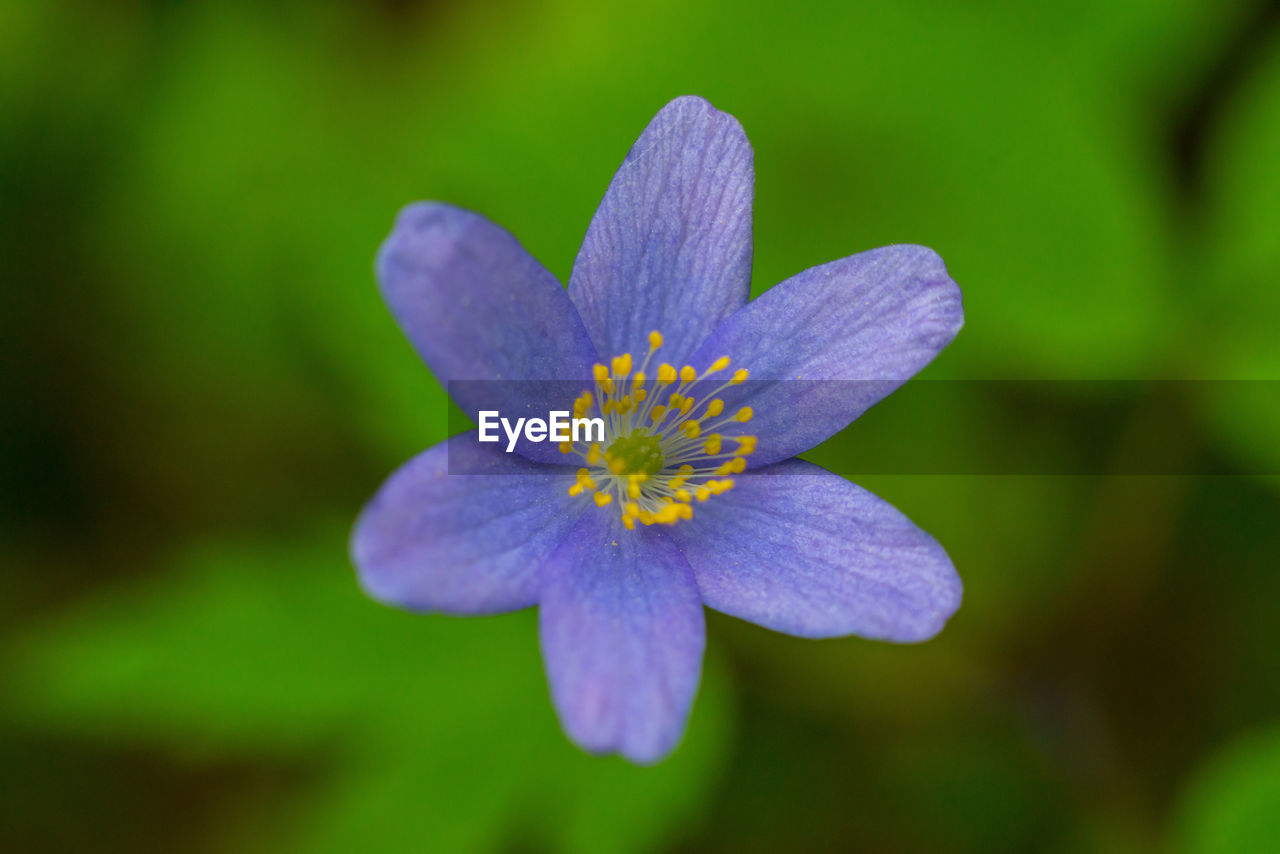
[440, 731]
[1239, 300]
[1233, 803]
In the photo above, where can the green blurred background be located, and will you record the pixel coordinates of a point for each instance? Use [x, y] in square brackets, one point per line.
[201, 387]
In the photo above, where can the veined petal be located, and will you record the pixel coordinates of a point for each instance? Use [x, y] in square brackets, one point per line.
[669, 248]
[803, 551]
[835, 340]
[462, 543]
[622, 634]
[477, 306]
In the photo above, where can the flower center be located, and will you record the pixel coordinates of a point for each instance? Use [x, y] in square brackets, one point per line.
[667, 443]
[638, 452]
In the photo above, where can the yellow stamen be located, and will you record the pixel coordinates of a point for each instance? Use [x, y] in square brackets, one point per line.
[719, 364]
[688, 374]
[655, 340]
[744, 414]
[739, 377]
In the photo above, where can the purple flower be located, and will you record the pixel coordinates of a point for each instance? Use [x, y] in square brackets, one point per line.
[620, 543]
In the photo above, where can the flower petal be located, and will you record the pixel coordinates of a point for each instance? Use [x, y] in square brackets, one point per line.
[835, 340]
[803, 551]
[463, 544]
[669, 248]
[622, 637]
[477, 306]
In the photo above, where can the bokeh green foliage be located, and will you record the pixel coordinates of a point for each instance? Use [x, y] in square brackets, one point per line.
[206, 386]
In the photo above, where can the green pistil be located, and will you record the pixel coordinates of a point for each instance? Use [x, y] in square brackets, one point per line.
[638, 452]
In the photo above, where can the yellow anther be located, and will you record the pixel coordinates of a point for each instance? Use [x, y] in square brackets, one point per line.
[746, 444]
[586, 399]
[641, 394]
[744, 414]
[624, 404]
[576, 489]
[666, 373]
[593, 454]
[719, 364]
[739, 376]
[686, 403]
[600, 372]
[655, 340]
[737, 465]
[622, 364]
[684, 511]
[683, 495]
[712, 445]
[609, 406]
[668, 515]
[688, 374]
[628, 522]
[677, 481]
[638, 379]
[692, 429]
[566, 447]
[702, 492]
[719, 486]
[633, 488]
[633, 508]
[617, 466]
[583, 473]
[715, 407]
[685, 469]
[602, 498]
[658, 412]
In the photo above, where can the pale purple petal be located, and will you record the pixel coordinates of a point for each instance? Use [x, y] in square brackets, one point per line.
[622, 636]
[463, 543]
[670, 246]
[800, 550]
[477, 306]
[836, 339]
